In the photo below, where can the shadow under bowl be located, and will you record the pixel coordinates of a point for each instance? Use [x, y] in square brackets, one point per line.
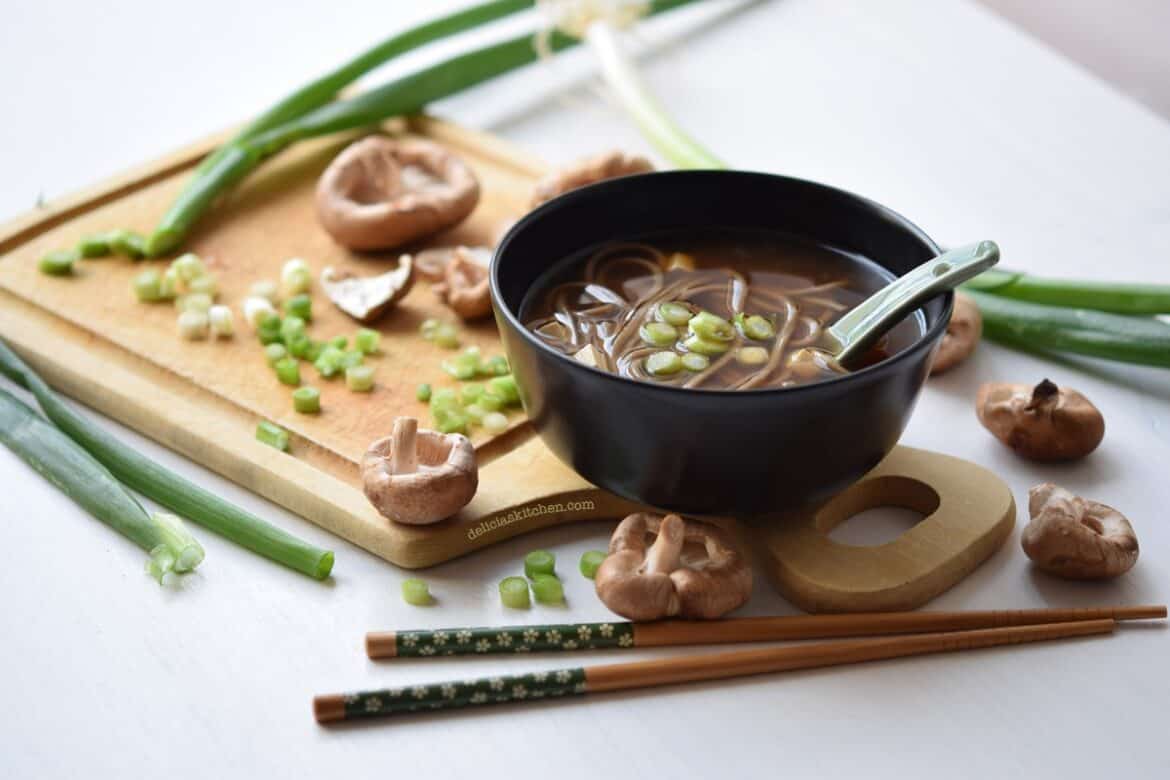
[711, 452]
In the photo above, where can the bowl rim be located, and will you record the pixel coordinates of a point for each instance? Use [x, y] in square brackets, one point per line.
[928, 337]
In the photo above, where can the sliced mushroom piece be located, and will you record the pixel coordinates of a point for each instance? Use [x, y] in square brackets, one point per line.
[419, 477]
[691, 570]
[1076, 538]
[431, 264]
[465, 287]
[381, 192]
[1045, 422]
[963, 333]
[609, 165]
[366, 298]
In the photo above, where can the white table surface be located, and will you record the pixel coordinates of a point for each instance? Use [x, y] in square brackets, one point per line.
[940, 110]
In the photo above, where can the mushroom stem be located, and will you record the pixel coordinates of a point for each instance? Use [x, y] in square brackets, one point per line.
[404, 449]
[1042, 394]
[665, 555]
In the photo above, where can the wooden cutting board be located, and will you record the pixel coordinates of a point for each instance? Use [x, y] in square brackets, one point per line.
[88, 337]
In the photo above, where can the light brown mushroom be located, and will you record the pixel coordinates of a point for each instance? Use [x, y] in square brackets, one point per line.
[1076, 538]
[590, 170]
[692, 570]
[382, 192]
[963, 333]
[431, 264]
[366, 298]
[465, 286]
[419, 477]
[1045, 422]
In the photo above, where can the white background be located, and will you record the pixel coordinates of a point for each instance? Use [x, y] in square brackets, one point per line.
[940, 110]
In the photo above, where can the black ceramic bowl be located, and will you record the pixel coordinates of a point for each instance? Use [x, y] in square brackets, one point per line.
[705, 451]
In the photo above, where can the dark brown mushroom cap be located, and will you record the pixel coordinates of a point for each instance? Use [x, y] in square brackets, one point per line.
[691, 570]
[1044, 423]
[964, 330]
[1076, 538]
[382, 192]
[419, 477]
[366, 298]
[590, 170]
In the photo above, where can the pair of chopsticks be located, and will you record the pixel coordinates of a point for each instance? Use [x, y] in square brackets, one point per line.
[921, 633]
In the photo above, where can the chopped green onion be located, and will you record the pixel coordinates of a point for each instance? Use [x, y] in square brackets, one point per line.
[189, 267]
[423, 393]
[590, 561]
[415, 592]
[341, 342]
[204, 284]
[505, 387]
[658, 334]
[514, 593]
[59, 262]
[453, 422]
[97, 245]
[445, 399]
[288, 371]
[539, 562]
[752, 356]
[193, 325]
[674, 313]
[60, 460]
[168, 287]
[464, 366]
[265, 289]
[328, 363]
[548, 589]
[291, 328]
[475, 413]
[221, 320]
[274, 352]
[711, 327]
[157, 483]
[490, 401]
[757, 328]
[429, 328]
[447, 336]
[307, 400]
[367, 340]
[692, 361]
[128, 243]
[295, 277]
[299, 306]
[470, 392]
[663, 364]
[148, 286]
[351, 358]
[704, 347]
[200, 302]
[359, 379]
[272, 435]
[494, 422]
[300, 346]
[496, 366]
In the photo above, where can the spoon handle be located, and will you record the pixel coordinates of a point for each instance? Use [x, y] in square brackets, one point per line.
[861, 326]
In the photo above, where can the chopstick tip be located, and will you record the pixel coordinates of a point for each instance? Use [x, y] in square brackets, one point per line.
[329, 708]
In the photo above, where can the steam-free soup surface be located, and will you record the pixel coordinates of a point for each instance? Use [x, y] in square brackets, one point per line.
[725, 310]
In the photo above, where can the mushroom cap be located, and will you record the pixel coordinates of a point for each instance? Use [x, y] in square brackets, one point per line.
[692, 570]
[1043, 423]
[382, 192]
[428, 484]
[467, 289]
[431, 264]
[366, 298]
[1076, 538]
[964, 330]
[608, 165]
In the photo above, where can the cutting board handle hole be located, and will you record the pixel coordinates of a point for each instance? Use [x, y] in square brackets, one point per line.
[877, 511]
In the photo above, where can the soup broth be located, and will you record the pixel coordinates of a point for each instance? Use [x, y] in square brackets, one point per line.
[725, 310]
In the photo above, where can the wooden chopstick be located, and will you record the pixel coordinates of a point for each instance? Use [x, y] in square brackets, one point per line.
[622, 634]
[708, 666]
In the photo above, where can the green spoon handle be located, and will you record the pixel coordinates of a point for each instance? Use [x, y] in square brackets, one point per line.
[850, 336]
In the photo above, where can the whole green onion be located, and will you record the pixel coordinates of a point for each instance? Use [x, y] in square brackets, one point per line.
[1031, 326]
[159, 484]
[1116, 297]
[78, 475]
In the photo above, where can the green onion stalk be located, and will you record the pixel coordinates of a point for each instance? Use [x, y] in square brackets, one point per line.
[80, 476]
[310, 117]
[1116, 297]
[1036, 326]
[164, 486]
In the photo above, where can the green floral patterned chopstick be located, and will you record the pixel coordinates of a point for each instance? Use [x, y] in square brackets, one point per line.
[502, 639]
